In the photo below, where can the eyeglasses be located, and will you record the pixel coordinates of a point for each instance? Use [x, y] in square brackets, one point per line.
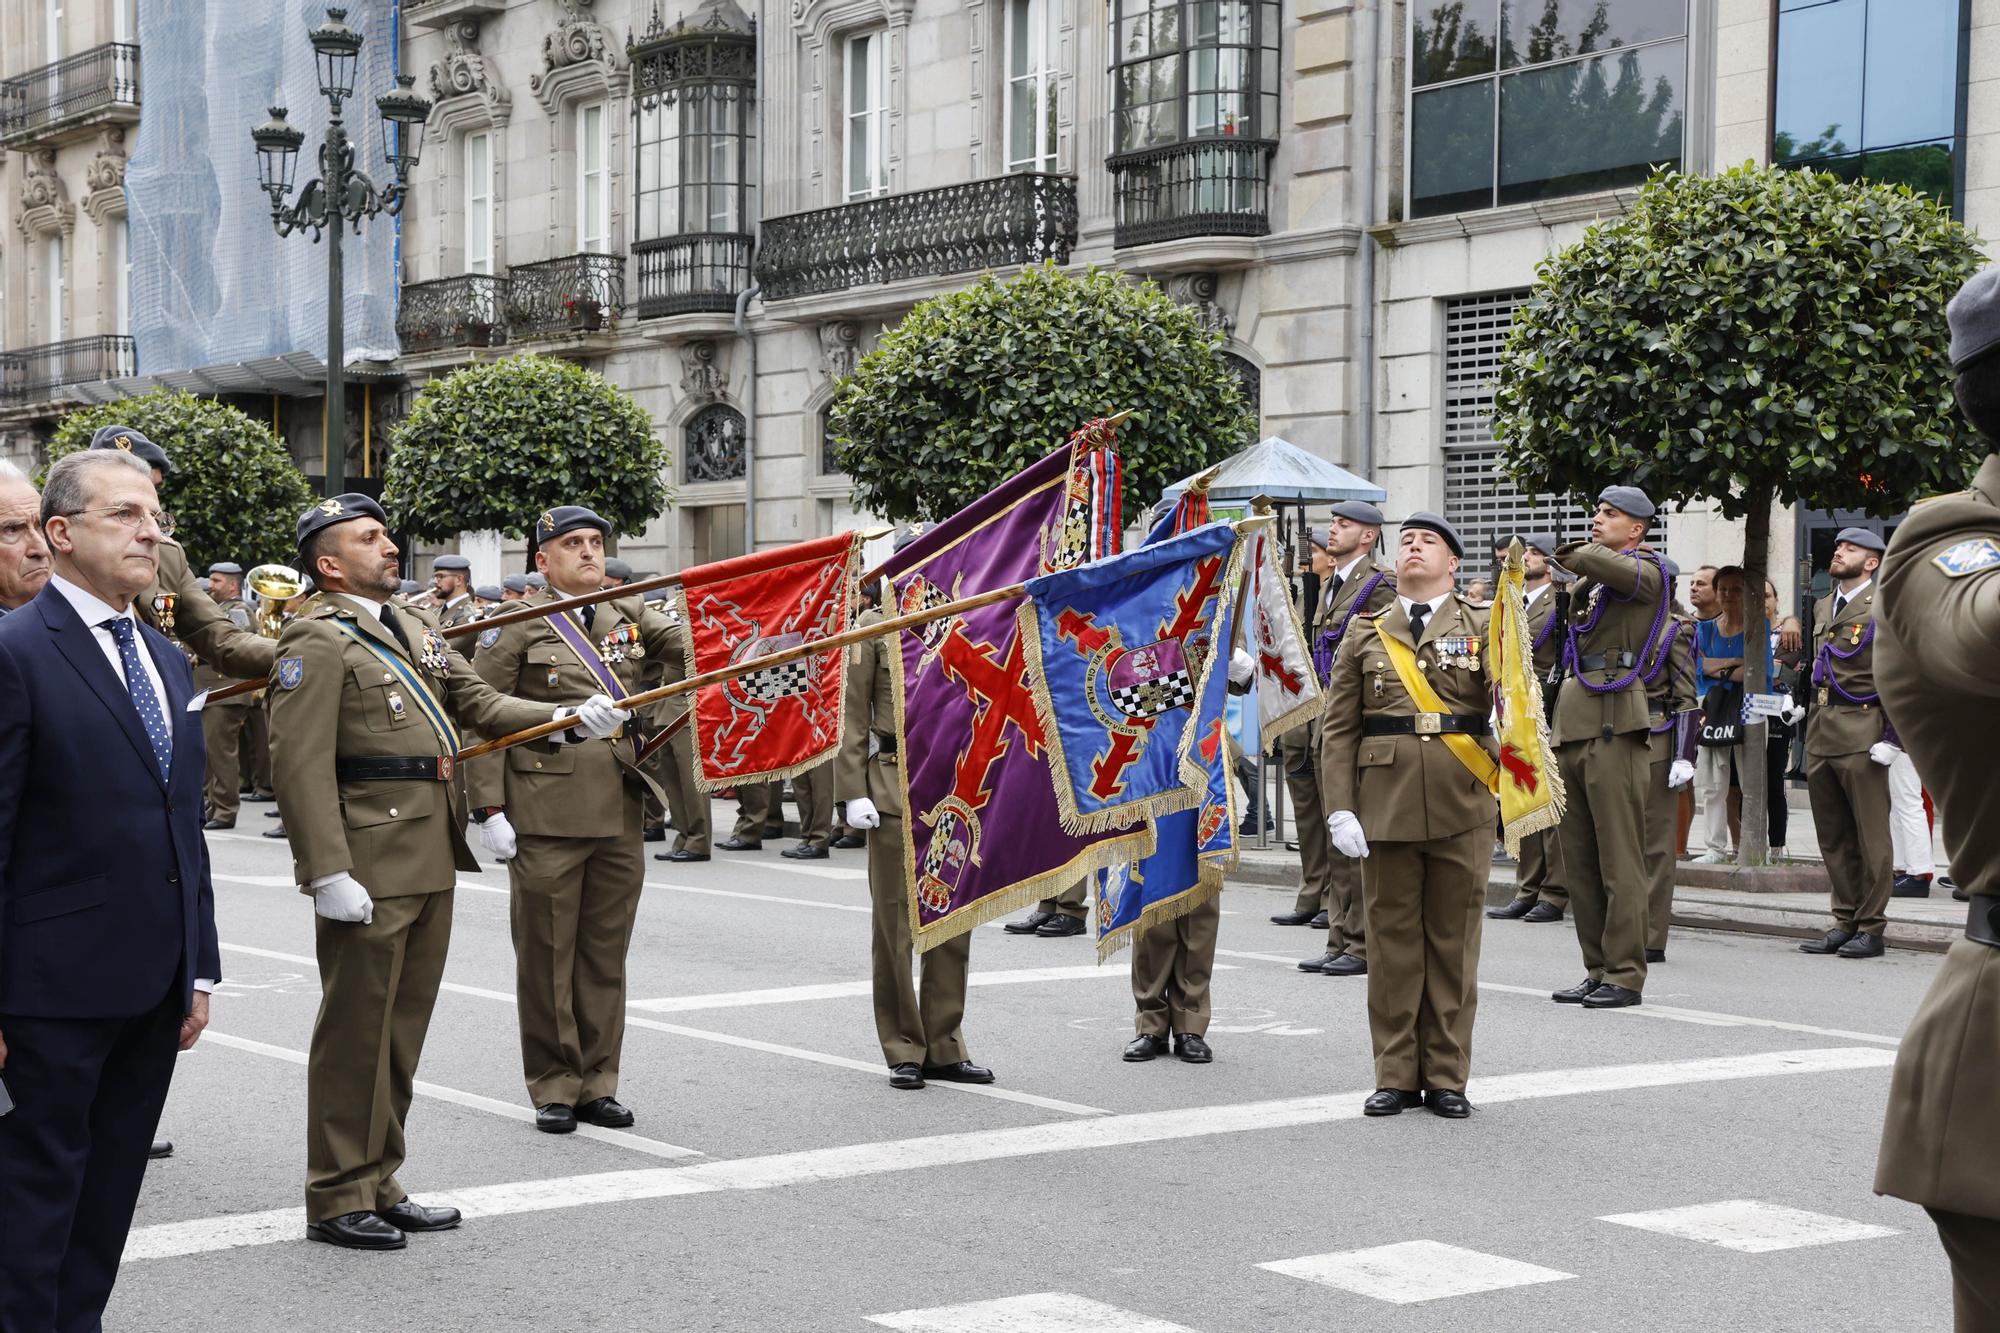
[15, 531]
[131, 516]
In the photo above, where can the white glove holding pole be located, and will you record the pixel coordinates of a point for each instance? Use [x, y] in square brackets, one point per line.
[1345, 831]
[1792, 713]
[1679, 774]
[496, 835]
[340, 897]
[598, 716]
[1242, 666]
[1884, 753]
[861, 813]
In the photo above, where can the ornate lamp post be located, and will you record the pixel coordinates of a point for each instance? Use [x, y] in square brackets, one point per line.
[342, 196]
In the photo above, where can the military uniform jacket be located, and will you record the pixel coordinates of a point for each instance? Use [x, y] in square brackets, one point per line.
[1617, 596]
[332, 699]
[868, 706]
[177, 607]
[1671, 693]
[578, 789]
[207, 677]
[1548, 643]
[1334, 610]
[1834, 726]
[461, 612]
[1406, 788]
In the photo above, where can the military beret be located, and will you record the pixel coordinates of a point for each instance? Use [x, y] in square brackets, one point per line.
[1974, 318]
[904, 536]
[411, 588]
[567, 518]
[129, 439]
[1673, 569]
[229, 567]
[487, 592]
[452, 564]
[1544, 542]
[1358, 511]
[1320, 535]
[202, 583]
[536, 583]
[658, 594]
[614, 568]
[338, 509]
[1428, 522]
[1627, 500]
[515, 583]
[1863, 538]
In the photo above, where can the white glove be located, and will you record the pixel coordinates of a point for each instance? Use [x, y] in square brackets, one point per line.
[1792, 713]
[341, 898]
[1242, 666]
[1345, 830]
[496, 835]
[1679, 774]
[861, 813]
[597, 715]
[1884, 753]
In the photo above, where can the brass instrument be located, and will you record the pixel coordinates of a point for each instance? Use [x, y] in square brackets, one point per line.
[275, 586]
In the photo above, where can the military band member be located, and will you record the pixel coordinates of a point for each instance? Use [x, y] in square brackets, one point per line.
[366, 699]
[674, 770]
[222, 719]
[1539, 894]
[1409, 689]
[617, 573]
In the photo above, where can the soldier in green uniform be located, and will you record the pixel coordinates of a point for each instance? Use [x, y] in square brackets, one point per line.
[1055, 918]
[451, 588]
[1617, 611]
[1674, 724]
[813, 792]
[757, 807]
[1539, 893]
[222, 720]
[568, 820]
[366, 698]
[1406, 751]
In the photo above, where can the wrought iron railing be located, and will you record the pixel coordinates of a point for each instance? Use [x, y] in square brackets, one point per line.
[34, 103]
[39, 374]
[1206, 187]
[1005, 220]
[467, 311]
[582, 292]
[700, 271]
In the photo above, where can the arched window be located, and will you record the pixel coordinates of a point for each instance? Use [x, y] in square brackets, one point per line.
[714, 445]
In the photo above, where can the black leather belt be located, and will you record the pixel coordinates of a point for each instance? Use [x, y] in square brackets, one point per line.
[437, 768]
[1425, 724]
[1606, 662]
[1982, 920]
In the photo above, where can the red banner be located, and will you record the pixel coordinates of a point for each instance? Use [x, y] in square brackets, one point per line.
[785, 719]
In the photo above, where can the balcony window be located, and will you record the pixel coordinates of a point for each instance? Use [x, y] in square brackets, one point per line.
[478, 163]
[593, 179]
[1031, 85]
[53, 288]
[867, 116]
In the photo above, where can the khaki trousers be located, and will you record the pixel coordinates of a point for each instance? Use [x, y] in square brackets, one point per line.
[755, 806]
[917, 1019]
[378, 984]
[813, 790]
[1070, 902]
[1604, 852]
[1971, 1242]
[573, 904]
[1541, 878]
[1662, 816]
[222, 730]
[1347, 904]
[1850, 806]
[259, 760]
[1298, 751]
[1172, 962]
[686, 801]
[1426, 908]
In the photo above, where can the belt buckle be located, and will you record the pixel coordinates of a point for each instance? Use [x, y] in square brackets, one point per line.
[1430, 724]
[446, 765]
[1824, 694]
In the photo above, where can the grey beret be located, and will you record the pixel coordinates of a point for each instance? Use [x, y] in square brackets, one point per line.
[536, 583]
[1974, 318]
[411, 587]
[229, 567]
[1428, 522]
[614, 568]
[452, 564]
[1320, 535]
[202, 583]
[1627, 500]
[658, 594]
[515, 583]
[1863, 538]
[1673, 569]
[487, 592]
[904, 536]
[1545, 542]
[1358, 511]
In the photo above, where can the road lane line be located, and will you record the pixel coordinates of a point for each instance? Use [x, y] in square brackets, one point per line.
[1709, 1018]
[1749, 1226]
[842, 990]
[759, 897]
[823, 872]
[1042, 1312]
[1413, 1271]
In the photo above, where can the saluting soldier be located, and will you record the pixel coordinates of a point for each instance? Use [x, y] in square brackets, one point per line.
[366, 701]
[1539, 893]
[1603, 736]
[1407, 754]
[568, 820]
[1672, 707]
[1849, 747]
[1937, 654]
[222, 720]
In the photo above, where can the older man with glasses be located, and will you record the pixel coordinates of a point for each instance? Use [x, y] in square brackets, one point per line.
[24, 555]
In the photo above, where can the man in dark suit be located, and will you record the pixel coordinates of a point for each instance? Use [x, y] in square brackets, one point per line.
[24, 556]
[107, 915]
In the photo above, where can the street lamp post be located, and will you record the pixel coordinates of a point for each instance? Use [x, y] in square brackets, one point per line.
[342, 196]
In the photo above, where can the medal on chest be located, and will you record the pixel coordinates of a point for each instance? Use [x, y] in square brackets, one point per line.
[163, 611]
[1457, 650]
[623, 642]
[1855, 635]
[433, 656]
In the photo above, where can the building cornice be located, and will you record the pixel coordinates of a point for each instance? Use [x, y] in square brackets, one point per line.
[1511, 217]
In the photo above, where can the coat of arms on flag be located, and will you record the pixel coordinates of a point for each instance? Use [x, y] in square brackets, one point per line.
[1530, 782]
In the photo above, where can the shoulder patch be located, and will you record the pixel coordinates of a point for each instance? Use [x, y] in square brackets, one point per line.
[1969, 557]
[290, 671]
[489, 637]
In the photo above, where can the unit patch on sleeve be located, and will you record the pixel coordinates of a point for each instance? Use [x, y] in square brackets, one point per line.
[1969, 557]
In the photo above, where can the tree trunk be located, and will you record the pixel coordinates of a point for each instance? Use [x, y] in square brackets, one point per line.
[1753, 847]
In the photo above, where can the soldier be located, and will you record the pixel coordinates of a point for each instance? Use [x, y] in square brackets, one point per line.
[222, 720]
[1673, 709]
[364, 698]
[1352, 585]
[1617, 611]
[617, 573]
[1539, 894]
[1849, 747]
[673, 769]
[1935, 655]
[758, 806]
[451, 590]
[813, 791]
[514, 587]
[1406, 752]
[918, 1027]
[1055, 918]
[484, 598]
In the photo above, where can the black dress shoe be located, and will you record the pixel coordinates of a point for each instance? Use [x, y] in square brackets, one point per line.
[1291, 918]
[277, 832]
[1391, 1101]
[1145, 1046]
[605, 1112]
[1059, 925]
[1512, 911]
[555, 1118]
[1575, 994]
[1541, 913]
[655, 835]
[1344, 965]
[847, 842]
[272, 814]
[260, 797]
[1028, 924]
[1863, 945]
[230, 823]
[357, 1231]
[1191, 1047]
[1656, 955]
[960, 1071]
[680, 858]
[774, 830]
[1831, 942]
[1451, 1105]
[161, 1148]
[1319, 921]
[906, 1076]
[409, 1215]
[738, 845]
[1609, 996]
[1910, 886]
[1315, 964]
[806, 852]
[1947, 882]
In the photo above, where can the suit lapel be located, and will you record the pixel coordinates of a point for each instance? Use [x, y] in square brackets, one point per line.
[1443, 618]
[370, 623]
[1395, 624]
[76, 642]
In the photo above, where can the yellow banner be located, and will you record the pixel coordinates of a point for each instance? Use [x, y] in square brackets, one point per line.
[1530, 785]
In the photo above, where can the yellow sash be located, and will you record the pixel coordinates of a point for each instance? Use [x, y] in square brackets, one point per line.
[1468, 749]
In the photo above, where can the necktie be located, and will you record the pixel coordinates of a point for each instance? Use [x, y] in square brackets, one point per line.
[140, 687]
[1333, 589]
[1839, 604]
[395, 627]
[1419, 613]
[587, 615]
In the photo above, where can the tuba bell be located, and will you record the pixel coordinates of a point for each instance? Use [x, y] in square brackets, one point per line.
[275, 585]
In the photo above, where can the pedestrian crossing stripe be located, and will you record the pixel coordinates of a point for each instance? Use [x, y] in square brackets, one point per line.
[1969, 557]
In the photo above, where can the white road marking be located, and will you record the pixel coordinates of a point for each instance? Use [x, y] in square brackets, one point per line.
[1751, 1227]
[842, 990]
[1415, 1270]
[760, 897]
[258, 881]
[821, 872]
[943, 1150]
[1708, 1018]
[1292, 960]
[1044, 1312]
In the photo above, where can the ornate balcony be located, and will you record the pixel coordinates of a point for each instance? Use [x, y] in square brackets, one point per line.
[41, 374]
[67, 99]
[1204, 187]
[580, 293]
[466, 311]
[697, 273]
[995, 223]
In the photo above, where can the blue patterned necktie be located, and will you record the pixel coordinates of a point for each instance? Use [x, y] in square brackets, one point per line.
[140, 687]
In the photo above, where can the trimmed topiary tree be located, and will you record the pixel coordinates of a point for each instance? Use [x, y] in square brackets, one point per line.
[495, 444]
[1763, 336]
[234, 491]
[975, 385]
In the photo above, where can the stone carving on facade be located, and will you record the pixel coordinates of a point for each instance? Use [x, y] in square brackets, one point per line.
[702, 376]
[45, 205]
[1200, 290]
[465, 73]
[578, 50]
[106, 176]
[839, 348]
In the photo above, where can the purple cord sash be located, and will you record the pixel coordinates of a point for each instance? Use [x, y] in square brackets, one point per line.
[1328, 642]
[1828, 654]
[1573, 657]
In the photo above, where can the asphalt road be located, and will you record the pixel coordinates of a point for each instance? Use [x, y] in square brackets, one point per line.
[1700, 1163]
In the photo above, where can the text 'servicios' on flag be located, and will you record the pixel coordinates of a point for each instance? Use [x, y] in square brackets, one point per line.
[784, 719]
[1287, 684]
[983, 834]
[1530, 784]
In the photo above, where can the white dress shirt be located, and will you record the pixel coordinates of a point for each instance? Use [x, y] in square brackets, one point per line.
[1535, 592]
[1431, 607]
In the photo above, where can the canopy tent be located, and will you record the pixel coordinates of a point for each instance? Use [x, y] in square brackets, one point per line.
[1280, 471]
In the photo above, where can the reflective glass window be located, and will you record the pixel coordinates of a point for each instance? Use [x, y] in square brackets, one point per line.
[1592, 124]
[1451, 149]
[1533, 32]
